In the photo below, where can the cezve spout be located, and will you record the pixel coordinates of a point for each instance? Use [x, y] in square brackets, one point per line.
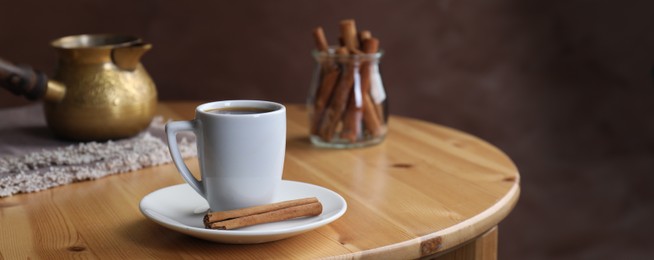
[128, 57]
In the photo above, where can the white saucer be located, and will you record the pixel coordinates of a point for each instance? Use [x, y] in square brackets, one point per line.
[181, 209]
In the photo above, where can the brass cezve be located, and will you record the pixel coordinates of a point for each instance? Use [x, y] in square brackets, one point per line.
[99, 90]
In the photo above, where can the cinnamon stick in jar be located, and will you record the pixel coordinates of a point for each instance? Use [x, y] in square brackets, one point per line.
[364, 35]
[338, 103]
[328, 76]
[352, 117]
[370, 46]
[371, 119]
[349, 35]
[320, 39]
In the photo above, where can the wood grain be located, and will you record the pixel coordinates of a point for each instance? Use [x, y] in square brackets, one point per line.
[426, 190]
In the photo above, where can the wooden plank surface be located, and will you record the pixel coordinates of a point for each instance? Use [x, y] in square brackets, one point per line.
[425, 190]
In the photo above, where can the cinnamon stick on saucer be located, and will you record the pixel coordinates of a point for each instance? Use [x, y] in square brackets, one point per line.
[232, 219]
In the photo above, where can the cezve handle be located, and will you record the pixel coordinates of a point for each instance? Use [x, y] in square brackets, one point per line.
[23, 80]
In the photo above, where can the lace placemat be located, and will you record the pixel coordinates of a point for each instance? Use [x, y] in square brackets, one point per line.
[32, 159]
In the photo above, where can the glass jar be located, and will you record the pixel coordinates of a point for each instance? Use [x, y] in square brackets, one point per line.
[347, 102]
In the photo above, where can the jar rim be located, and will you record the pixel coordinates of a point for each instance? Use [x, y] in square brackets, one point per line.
[331, 53]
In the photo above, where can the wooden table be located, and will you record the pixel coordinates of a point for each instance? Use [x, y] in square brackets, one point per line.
[427, 190]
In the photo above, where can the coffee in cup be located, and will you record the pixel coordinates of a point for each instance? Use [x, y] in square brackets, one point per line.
[239, 110]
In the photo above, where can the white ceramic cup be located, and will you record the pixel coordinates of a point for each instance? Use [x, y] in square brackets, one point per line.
[241, 156]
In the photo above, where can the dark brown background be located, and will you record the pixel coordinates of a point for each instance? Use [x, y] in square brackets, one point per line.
[564, 87]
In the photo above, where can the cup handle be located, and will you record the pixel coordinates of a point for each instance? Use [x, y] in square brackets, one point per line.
[171, 137]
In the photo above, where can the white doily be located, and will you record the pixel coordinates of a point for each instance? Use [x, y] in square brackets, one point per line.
[55, 166]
